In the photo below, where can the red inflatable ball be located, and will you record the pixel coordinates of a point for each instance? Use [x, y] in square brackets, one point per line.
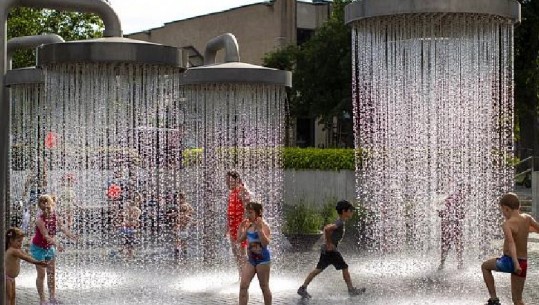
[114, 191]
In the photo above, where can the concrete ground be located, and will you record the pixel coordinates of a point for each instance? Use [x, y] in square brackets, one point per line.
[87, 279]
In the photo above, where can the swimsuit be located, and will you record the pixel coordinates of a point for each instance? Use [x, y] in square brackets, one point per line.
[235, 214]
[257, 253]
[333, 257]
[505, 264]
[40, 249]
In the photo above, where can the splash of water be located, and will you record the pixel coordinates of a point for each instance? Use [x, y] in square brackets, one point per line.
[433, 114]
[235, 127]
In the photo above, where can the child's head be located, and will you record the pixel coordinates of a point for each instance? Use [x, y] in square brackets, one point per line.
[14, 238]
[68, 179]
[45, 203]
[345, 208]
[180, 197]
[254, 209]
[233, 179]
[137, 197]
[508, 203]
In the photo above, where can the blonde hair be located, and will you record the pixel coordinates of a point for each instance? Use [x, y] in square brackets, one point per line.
[46, 198]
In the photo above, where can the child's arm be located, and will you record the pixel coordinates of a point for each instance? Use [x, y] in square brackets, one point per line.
[534, 225]
[41, 227]
[242, 231]
[20, 254]
[328, 230]
[508, 236]
[245, 196]
[264, 233]
[65, 230]
[68, 233]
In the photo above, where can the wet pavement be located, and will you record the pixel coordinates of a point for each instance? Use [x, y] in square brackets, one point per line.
[93, 278]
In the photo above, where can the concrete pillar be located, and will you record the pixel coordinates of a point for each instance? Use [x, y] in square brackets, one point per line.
[287, 10]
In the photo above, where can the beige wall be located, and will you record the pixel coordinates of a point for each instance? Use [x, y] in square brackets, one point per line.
[311, 16]
[259, 28]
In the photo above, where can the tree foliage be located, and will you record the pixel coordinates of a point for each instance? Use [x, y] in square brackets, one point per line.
[321, 69]
[70, 25]
[527, 77]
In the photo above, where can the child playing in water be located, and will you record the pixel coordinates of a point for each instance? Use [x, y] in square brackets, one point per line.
[329, 255]
[12, 261]
[256, 232]
[43, 247]
[183, 223]
[516, 228]
[66, 203]
[238, 197]
[129, 226]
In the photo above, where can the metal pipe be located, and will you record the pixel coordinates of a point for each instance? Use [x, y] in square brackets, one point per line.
[27, 42]
[24, 42]
[112, 28]
[101, 8]
[227, 42]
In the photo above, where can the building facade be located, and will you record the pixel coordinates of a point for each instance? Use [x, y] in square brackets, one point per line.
[259, 28]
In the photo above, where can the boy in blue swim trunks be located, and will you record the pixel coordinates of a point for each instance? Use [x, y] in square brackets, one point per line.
[516, 228]
[329, 255]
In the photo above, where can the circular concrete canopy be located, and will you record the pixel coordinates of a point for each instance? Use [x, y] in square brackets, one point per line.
[363, 9]
[29, 75]
[109, 50]
[236, 72]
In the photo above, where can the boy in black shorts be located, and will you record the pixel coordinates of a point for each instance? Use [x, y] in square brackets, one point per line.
[329, 255]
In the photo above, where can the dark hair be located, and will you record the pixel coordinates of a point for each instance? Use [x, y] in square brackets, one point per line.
[343, 206]
[511, 201]
[255, 206]
[12, 234]
[234, 174]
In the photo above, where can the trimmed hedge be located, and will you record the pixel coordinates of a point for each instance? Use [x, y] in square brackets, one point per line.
[319, 158]
[300, 158]
[293, 157]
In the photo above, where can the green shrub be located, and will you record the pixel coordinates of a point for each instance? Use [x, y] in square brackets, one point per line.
[302, 219]
[319, 158]
[328, 211]
[293, 157]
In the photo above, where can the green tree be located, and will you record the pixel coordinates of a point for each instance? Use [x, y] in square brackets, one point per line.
[322, 70]
[70, 25]
[527, 78]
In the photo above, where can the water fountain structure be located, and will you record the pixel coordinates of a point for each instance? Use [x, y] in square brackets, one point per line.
[112, 28]
[433, 106]
[235, 112]
[25, 94]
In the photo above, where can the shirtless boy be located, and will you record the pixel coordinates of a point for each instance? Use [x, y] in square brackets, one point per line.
[516, 228]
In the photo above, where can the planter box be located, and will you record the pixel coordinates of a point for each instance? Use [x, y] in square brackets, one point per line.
[302, 242]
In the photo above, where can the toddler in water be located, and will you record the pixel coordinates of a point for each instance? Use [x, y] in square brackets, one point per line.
[183, 225]
[12, 261]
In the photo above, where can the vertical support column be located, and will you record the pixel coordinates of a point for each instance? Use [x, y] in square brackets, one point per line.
[535, 194]
[5, 124]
